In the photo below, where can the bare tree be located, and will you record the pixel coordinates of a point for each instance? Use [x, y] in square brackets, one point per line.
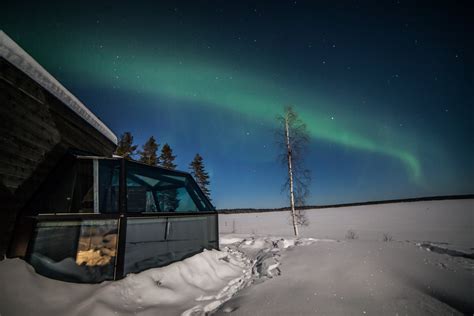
[292, 139]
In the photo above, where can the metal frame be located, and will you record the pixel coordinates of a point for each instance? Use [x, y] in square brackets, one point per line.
[121, 229]
[122, 215]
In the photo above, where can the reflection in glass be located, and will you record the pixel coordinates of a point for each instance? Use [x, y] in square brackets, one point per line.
[91, 185]
[68, 190]
[157, 190]
[109, 173]
[76, 251]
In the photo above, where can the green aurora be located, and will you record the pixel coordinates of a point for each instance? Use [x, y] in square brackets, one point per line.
[251, 94]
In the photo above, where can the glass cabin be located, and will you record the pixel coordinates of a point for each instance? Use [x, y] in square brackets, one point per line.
[99, 219]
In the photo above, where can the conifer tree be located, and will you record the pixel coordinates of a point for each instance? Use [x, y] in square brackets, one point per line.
[169, 198]
[200, 175]
[148, 155]
[125, 147]
[167, 157]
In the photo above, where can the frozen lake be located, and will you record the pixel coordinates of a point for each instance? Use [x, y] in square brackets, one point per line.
[445, 221]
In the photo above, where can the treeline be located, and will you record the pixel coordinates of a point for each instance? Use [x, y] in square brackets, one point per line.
[149, 155]
[310, 207]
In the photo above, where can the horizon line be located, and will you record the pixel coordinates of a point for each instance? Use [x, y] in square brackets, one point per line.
[307, 207]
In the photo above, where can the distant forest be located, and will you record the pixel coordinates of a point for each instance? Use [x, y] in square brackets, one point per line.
[308, 207]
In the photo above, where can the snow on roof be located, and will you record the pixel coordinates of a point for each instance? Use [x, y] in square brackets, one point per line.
[24, 62]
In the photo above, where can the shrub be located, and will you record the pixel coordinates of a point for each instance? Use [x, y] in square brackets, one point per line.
[351, 234]
[387, 237]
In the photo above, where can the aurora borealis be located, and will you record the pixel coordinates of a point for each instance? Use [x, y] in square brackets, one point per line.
[385, 89]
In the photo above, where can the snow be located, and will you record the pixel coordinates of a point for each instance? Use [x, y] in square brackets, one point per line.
[24, 62]
[356, 277]
[426, 269]
[447, 221]
[198, 284]
[422, 271]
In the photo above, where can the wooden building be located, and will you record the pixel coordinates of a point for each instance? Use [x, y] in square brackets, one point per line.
[40, 120]
[68, 206]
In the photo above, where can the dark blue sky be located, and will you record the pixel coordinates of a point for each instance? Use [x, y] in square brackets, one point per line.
[385, 87]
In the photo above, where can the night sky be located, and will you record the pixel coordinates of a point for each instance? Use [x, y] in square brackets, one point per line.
[385, 87]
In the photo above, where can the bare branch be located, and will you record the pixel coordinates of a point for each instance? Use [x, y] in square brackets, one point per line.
[292, 139]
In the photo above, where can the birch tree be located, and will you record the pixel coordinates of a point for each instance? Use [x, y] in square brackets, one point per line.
[292, 140]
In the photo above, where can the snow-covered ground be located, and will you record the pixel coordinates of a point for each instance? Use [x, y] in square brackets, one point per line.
[426, 269]
[448, 222]
[356, 277]
[196, 285]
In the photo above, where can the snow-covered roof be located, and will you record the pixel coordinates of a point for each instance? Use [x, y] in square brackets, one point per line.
[24, 62]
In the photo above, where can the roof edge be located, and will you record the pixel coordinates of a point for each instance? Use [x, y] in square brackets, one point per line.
[14, 54]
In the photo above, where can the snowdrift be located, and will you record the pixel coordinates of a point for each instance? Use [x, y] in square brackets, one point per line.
[199, 284]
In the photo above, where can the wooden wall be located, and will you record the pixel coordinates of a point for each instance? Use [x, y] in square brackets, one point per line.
[36, 130]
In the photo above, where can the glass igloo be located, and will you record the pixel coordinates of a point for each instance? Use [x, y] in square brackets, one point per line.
[98, 219]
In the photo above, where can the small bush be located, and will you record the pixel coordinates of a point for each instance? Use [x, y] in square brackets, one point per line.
[351, 234]
[387, 237]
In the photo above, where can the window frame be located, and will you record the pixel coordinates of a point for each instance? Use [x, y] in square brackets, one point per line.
[122, 213]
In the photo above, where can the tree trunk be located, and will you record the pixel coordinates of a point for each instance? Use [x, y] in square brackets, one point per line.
[290, 176]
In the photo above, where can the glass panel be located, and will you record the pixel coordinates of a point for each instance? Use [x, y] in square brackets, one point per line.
[75, 251]
[176, 200]
[109, 173]
[152, 189]
[83, 195]
[155, 242]
[69, 189]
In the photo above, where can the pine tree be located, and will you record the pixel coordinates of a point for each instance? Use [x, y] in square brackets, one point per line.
[148, 154]
[169, 198]
[167, 158]
[125, 148]
[200, 175]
